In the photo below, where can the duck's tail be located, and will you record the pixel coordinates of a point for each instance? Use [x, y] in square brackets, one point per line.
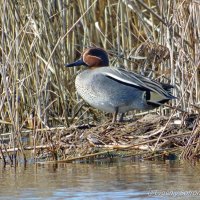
[157, 100]
[168, 88]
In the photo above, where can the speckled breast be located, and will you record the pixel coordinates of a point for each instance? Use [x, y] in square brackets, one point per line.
[108, 95]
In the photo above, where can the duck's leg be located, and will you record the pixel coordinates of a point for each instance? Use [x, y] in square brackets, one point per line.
[121, 119]
[115, 116]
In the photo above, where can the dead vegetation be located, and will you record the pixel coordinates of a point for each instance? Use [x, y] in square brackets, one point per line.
[145, 138]
[159, 39]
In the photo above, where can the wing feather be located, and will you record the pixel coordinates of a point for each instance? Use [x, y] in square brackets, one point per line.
[137, 80]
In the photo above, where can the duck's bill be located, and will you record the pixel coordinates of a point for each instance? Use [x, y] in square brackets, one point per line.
[76, 63]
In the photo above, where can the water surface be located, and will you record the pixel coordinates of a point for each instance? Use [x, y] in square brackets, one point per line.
[121, 180]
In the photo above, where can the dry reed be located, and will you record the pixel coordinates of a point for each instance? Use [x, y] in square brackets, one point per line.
[38, 37]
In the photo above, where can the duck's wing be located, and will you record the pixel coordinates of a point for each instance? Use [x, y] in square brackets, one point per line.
[137, 80]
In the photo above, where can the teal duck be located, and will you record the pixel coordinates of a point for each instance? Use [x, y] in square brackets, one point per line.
[116, 90]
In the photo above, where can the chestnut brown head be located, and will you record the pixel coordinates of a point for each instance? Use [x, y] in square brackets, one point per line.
[92, 57]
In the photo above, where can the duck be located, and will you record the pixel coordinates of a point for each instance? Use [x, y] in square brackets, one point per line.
[116, 90]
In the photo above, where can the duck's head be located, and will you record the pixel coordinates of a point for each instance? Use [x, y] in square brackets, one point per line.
[92, 58]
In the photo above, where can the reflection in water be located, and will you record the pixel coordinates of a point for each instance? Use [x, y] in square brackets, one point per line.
[100, 181]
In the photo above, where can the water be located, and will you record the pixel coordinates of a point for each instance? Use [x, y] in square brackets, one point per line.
[122, 180]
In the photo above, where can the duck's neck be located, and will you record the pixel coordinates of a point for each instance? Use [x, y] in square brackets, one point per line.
[96, 67]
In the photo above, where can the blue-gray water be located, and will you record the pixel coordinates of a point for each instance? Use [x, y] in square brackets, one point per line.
[121, 180]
